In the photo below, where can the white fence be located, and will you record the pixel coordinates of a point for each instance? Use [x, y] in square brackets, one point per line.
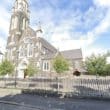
[94, 87]
[82, 86]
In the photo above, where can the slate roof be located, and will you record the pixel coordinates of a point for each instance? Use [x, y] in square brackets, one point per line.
[72, 54]
[29, 32]
[68, 54]
[47, 45]
[49, 56]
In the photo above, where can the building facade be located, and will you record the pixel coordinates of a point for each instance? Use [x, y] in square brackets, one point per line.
[25, 45]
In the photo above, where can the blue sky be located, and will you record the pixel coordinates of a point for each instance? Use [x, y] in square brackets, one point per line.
[67, 24]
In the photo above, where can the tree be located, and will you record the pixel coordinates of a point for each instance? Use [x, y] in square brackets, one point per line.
[60, 64]
[97, 65]
[107, 69]
[6, 67]
[31, 70]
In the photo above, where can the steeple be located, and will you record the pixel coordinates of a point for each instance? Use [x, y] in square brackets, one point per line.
[39, 30]
[19, 18]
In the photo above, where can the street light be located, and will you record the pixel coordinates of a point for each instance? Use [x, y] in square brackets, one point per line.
[17, 55]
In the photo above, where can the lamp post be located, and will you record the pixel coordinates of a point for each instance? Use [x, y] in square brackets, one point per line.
[17, 55]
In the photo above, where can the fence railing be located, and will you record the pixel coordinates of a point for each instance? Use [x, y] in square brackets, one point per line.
[82, 86]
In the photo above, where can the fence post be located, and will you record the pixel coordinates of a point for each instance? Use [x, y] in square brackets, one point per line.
[97, 77]
[58, 85]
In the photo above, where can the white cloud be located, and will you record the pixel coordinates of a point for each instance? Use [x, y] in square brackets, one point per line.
[88, 51]
[4, 23]
[59, 33]
[105, 3]
[65, 41]
[4, 20]
[104, 25]
[2, 44]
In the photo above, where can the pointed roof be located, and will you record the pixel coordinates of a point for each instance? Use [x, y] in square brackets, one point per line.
[49, 56]
[47, 45]
[39, 27]
[72, 54]
[29, 32]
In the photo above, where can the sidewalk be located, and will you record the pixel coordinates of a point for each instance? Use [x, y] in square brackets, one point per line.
[5, 92]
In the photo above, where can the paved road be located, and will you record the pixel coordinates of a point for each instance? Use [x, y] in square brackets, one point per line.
[33, 102]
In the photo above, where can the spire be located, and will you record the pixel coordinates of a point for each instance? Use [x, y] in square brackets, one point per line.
[39, 30]
[39, 27]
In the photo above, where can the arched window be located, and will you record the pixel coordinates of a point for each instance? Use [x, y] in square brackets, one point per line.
[25, 51]
[12, 38]
[24, 24]
[15, 22]
[12, 23]
[46, 66]
[21, 51]
[30, 50]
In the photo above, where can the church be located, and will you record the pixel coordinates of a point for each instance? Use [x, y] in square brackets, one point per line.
[26, 45]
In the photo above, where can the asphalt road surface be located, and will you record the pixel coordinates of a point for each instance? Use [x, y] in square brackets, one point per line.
[34, 102]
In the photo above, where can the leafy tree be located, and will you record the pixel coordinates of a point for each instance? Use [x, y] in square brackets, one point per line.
[31, 70]
[60, 64]
[97, 65]
[6, 67]
[107, 69]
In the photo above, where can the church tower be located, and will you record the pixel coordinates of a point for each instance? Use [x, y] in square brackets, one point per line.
[25, 45]
[19, 20]
[18, 24]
